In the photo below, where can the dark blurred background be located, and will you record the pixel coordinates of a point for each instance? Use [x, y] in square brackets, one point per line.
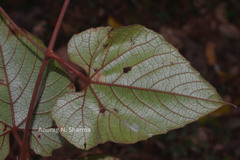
[206, 32]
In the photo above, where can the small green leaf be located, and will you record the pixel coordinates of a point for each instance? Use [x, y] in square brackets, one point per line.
[20, 62]
[140, 86]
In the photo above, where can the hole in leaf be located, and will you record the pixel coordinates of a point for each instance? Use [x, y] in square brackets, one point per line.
[127, 69]
[85, 145]
[132, 41]
[102, 109]
[39, 136]
[115, 110]
[105, 45]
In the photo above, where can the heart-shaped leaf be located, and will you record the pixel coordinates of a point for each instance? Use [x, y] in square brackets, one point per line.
[20, 62]
[140, 86]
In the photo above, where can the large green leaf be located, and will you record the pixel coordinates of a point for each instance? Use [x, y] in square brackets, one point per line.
[20, 63]
[140, 86]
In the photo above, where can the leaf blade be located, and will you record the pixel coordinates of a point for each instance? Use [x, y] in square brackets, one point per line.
[140, 86]
[45, 141]
[20, 63]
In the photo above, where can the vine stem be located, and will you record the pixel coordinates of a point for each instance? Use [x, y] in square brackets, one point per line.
[17, 137]
[57, 26]
[32, 107]
[39, 79]
[80, 74]
[48, 54]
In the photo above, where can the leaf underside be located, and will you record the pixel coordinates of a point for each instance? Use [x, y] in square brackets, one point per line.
[20, 63]
[140, 86]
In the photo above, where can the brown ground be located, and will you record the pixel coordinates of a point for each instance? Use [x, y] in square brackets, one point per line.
[206, 32]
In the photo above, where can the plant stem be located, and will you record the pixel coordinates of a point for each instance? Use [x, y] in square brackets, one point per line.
[80, 74]
[17, 137]
[32, 107]
[57, 26]
[39, 79]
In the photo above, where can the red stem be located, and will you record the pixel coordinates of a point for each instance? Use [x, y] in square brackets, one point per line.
[48, 54]
[32, 107]
[39, 79]
[80, 74]
[17, 137]
[57, 26]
